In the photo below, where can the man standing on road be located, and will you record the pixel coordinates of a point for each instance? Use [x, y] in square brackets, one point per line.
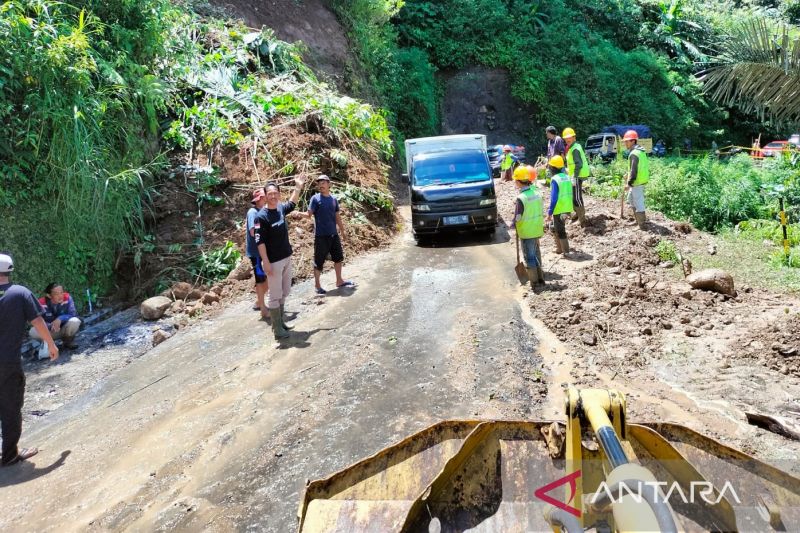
[258, 201]
[560, 203]
[578, 169]
[555, 144]
[507, 161]
[327, 241]
[638, 175]
[272, 239]
[17, 306]
[529, 223]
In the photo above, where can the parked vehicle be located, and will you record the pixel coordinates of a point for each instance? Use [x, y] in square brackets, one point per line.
[604, 144]
[495, 153]
[451, 185]
[795, 139]
[775, 148]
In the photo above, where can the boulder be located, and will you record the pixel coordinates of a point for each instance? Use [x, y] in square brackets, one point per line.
[195, 294]
[154, 308]
[243, 271]
[160, 336]
[712, 279]
[210, 298]
[181, 290]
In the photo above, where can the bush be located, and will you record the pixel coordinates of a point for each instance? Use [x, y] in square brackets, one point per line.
[215, 264]
[667, 251]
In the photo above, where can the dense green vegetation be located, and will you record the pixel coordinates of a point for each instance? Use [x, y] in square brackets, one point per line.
[94, 93]
[587, 64]
[737, 196]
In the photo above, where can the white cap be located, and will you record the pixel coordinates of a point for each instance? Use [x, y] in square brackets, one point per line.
[6, 264]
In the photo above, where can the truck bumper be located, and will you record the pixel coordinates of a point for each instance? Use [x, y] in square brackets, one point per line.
[432, 223]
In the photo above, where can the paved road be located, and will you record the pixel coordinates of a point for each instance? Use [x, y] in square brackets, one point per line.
[219, 429]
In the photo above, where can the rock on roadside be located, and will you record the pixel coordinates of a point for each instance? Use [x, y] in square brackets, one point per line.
[712, 279]
[155, 307]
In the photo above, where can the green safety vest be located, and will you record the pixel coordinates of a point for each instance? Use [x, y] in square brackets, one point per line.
[531, 224]
[506, 162]
[642, 169]
[564, 201]
[571, 161]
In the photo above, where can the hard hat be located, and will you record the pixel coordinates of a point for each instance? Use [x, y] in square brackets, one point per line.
[533, 172]
[521, 173]
[6, 264]
[506, 148]
[568, 132]
[631, 135]
[556, 161]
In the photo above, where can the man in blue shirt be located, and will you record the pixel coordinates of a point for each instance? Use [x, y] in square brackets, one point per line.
[258, 201]
[327, 242]
[17, 307]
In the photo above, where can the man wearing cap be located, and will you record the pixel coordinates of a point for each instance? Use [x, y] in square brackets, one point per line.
[17, 307]
[258, 201]
[638, 175]
[272, 240]
[327, 241]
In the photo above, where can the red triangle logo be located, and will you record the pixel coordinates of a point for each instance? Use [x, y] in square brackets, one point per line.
[541, 493]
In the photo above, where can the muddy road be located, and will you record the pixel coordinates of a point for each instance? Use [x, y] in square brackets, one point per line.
[218, 428]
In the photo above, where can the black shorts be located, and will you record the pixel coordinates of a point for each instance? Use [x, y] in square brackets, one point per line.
[327, 245]
[258, 270]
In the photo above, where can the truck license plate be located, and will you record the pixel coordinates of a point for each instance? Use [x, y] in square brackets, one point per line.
[452, 221]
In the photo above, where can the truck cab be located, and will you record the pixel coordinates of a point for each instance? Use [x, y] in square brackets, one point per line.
[451, 186]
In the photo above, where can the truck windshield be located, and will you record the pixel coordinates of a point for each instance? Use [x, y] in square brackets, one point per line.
[448, 168]
[595, 141]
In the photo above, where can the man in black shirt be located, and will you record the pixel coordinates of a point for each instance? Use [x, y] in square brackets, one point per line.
[272, 239]
[17, 307]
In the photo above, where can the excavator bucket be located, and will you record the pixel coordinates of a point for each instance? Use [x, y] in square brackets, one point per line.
[509, 476]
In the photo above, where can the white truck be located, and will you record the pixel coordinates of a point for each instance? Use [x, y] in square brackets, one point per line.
[451, 186]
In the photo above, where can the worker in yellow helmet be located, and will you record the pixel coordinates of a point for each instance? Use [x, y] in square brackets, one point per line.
[560, 202]
[578, 169]
[529, 224]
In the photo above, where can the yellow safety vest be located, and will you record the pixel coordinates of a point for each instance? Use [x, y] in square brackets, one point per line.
[531, 224]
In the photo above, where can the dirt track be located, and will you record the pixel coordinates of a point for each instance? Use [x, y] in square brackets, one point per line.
[218, 429]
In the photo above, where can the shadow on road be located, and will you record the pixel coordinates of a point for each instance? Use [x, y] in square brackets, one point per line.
[27, 471]
[464, 239]
[299, 339]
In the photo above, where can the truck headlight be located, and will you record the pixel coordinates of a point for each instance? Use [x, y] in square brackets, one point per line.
[489, 201]
[422, 207]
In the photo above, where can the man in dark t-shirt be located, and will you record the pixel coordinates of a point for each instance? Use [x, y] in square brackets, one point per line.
[17, 307]
[324, 207]
[272, 240]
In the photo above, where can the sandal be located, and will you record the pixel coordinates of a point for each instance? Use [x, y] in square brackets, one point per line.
[23, 454]
[346, 285]
[320, 290]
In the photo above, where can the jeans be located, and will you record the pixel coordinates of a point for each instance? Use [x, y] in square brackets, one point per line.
[531, 252]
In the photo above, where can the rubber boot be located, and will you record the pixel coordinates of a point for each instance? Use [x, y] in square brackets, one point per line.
[558, 244]
[641, 218]
[540, 275]
[277, 324]
[564, 245]
[532, 277]
[283, 320]
[580, 215]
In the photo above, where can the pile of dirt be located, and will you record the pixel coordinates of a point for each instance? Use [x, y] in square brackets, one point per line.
[326, 47]
[619, 306]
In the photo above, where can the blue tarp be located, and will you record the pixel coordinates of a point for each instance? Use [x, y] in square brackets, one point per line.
[620, 129]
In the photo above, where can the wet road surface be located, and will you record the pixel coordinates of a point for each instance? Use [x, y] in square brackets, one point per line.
[219, 429]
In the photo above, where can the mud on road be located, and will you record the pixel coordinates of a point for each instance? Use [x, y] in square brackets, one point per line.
[217, 428]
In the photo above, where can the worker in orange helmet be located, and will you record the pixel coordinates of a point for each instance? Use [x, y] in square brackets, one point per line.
[507, 163]
[638, 175]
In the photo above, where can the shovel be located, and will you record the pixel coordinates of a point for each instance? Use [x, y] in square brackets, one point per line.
[522, 272]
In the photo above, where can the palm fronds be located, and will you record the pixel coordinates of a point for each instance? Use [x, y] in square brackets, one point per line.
[759, 72]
